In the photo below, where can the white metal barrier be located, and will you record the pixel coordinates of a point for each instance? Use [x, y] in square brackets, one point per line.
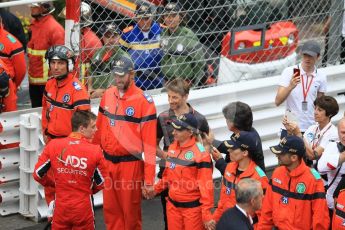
[259, 94]
[9, 162]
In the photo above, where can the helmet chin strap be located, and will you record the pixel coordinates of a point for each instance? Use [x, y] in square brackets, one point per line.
[36, 16]
[61, 77]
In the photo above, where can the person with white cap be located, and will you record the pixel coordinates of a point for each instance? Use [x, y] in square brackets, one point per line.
[44, 32]
[301, 84]
[142, 42]
[183, 52]
[89, 42]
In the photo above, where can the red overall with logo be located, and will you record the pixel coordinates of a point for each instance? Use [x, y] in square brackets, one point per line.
[79, 171]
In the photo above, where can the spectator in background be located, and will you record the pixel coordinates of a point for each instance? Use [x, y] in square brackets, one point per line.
[13, 25]
[240, 148]
[249, 197]
[142, 41]
[317, 136]
[326, 28]
[89, 42]
[178, 91]
[103, 58]
[301, 84]
[44, 32]
[12, 54]
[239, 117]
[8, 96]
[295, 198]
[331, 163]
[183, 53]
[339, 197]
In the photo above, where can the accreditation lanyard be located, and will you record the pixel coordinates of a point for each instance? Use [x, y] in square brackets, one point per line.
[320, 136]
[306, 88]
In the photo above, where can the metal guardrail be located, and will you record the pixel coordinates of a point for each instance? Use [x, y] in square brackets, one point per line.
[10, 161]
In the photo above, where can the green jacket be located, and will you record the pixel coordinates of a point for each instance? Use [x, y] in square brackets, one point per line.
[100, 66]
[183, 55]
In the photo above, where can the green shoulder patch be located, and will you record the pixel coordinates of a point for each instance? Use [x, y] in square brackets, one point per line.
[260, 171]
[200, 147]
[11, 38]
[315, 174]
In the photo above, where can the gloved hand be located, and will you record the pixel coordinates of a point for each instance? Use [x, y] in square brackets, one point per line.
[51, 208]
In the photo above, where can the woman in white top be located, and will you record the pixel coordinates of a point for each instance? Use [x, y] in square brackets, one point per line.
[317, 136]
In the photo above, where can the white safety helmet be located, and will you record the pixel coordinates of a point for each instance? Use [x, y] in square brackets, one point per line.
[85, 14]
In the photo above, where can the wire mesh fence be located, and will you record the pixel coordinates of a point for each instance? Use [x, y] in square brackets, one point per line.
[205, 42]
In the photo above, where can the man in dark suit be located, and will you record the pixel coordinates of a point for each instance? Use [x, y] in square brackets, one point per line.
[249, 196]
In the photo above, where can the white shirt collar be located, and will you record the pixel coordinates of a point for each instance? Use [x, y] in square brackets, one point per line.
[245, 213]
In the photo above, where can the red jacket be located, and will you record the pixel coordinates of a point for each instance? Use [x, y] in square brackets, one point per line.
[12, 54]
[295, 200]
[59, 103]
[230, 180]
[79, 171]
[127, 125]
[45, 32]
[188, 175]
[89, 44]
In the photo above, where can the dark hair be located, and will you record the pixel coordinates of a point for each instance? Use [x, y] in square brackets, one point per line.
[82, 118]
[329, 104]
[240, 114]
[178, 85]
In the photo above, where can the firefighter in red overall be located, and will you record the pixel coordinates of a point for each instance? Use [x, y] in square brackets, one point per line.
[63, 95]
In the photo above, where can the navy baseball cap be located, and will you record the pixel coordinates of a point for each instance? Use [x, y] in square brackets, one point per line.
[185, 121]
[244, 140]
[122, 66]
[311, 48]
[290, 144]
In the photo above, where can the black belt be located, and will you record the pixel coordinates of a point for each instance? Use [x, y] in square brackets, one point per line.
[118, 159]
[190, 204]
